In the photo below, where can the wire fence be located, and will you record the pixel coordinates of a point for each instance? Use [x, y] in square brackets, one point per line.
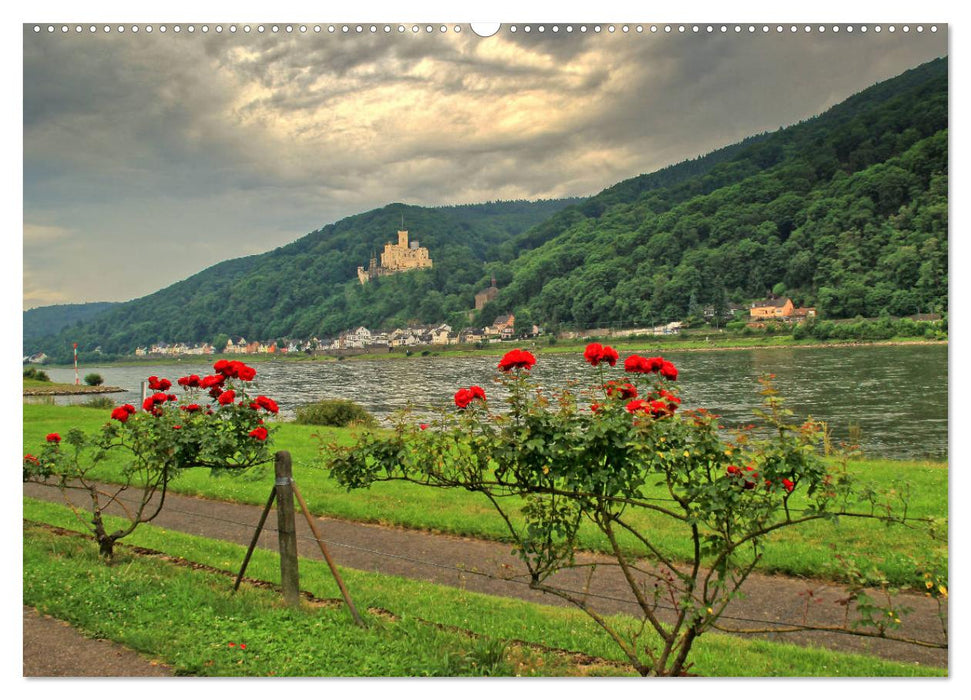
[249, 528]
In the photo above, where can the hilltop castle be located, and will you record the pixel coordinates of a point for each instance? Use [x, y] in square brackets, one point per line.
[396, 258]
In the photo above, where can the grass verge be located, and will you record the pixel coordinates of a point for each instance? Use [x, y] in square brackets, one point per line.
[810, 550]
[188, 618]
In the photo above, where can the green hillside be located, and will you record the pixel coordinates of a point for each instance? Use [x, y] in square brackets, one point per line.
[846, 211]
[48, 320]
[310, 288]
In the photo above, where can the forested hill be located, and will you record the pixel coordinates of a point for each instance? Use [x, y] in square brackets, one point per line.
[846, 212]
[310, 288]
[47, 320]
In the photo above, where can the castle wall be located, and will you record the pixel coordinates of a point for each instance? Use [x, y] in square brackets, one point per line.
[397, 258]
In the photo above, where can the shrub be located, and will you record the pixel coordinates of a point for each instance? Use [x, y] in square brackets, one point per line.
[622, 457]
[216, 425]
[38, 374]
[337, 413]
[93, 379]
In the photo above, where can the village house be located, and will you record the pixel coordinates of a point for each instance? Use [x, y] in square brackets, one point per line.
[359, 338]
[779, 308]
[204, 349]
[442, 335]
[407, 337]
[502, 324]
[236, 347]
[471, 335]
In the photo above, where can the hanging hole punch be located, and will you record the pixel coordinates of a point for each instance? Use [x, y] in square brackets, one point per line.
[485, 29]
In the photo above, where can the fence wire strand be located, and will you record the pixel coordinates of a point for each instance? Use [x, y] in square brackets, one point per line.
[465, 571]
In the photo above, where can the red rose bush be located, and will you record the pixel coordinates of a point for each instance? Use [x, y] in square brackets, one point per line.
[627, 458]
[214, 424]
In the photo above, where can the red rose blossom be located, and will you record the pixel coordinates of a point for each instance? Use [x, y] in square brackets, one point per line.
[266, 403]
[234, 369]
[597, 353]
[636, 364]
[259, 433]
[661, 408]
[53, 437]
[31, 458]
[191, 408]
[592, 353]
[423, 426]
[517, 359]
[638, 405]
[227, 397]
[211, 381]
[462, 398]
[120, 414]
[190, 381]
[668, 371]
[788, 485]
[156, 384]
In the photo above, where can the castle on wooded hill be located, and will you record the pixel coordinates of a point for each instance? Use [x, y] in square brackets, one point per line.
[396, 258]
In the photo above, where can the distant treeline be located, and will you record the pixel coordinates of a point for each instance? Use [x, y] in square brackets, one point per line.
[48, 320]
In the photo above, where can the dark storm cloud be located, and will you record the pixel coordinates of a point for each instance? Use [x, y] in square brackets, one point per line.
[198, 148]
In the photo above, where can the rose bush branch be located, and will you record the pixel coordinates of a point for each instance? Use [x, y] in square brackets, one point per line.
[621, 450]
[214, 424]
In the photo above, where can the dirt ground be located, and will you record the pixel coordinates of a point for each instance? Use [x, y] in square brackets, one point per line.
[492, 568]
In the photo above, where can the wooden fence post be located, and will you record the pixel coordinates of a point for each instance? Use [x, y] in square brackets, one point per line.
[287, 528]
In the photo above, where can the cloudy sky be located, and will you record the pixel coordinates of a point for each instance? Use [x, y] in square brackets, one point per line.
[149, 157]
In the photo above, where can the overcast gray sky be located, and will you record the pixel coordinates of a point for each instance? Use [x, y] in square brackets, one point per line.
[149, 157]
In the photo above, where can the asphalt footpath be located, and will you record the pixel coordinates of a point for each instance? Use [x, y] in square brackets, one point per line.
[769, 602]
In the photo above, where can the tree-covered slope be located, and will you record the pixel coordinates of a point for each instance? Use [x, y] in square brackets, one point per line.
[310, 288]
[846, 211]
[47, 320]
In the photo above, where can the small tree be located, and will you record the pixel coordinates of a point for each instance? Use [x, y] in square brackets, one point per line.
[620, 458]
[216, 425]
[93, 379]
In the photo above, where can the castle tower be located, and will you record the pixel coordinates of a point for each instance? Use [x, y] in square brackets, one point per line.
[402, 239]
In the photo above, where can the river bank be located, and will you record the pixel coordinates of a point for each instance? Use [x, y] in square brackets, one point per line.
[654, 345]
[56, 389]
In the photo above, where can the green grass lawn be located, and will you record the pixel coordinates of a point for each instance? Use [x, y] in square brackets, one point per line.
[809, 550]
[188, 618]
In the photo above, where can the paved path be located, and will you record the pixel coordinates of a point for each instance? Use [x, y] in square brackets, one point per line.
[490, 567]
[53, 648]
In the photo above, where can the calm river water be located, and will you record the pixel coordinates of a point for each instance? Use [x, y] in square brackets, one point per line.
[897, 395]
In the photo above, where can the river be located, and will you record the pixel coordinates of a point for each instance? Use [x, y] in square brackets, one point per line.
[896, 395]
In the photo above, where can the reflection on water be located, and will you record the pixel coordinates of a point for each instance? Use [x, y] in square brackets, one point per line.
[897, 395]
